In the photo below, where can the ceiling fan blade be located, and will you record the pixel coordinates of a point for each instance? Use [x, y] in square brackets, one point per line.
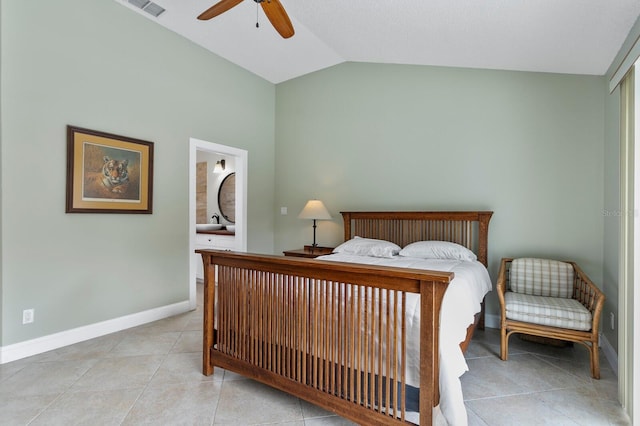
[278, 17]
[218, 8]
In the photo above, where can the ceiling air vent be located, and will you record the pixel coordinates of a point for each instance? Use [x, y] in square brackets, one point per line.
[148, 6]
[153, 9]
[139, 3]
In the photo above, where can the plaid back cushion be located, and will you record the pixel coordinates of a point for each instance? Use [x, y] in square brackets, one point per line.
[541, 277]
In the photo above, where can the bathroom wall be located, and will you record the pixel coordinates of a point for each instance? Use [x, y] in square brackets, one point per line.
[212, 183]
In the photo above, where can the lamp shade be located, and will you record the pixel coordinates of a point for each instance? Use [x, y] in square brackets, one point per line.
[314, 209]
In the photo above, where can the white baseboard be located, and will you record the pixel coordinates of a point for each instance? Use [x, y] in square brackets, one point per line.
[492, 321]
[609, 353]
[69, 337]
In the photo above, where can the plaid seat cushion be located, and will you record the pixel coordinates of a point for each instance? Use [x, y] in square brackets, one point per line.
[541, 277]
[551, 311]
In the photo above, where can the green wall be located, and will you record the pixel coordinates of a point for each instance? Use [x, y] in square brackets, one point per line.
[98, 65]
[359, 136]
[371, 136]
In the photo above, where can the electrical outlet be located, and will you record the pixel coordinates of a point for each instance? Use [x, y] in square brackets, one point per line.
[27, 316]
[613, 320]
[283, 211]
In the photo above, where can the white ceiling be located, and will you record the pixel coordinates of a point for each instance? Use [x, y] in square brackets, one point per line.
[560, 36]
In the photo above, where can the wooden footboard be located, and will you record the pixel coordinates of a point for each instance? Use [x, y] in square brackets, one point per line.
[331, 333]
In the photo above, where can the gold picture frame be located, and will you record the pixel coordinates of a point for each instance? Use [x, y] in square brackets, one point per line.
[108, 173]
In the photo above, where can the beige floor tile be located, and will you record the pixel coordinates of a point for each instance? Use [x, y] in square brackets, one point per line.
[9, 369]
[184, 368]
[230, 375]
[89, 408]
[484, 344]
[20, 410]
[146, 343]
[246, 402]
[613, 413]
[45, 378]
[119, 373]
[189, 341]
[195, 323]
[152, 375]
[97, 348]
[524, 373]
[521, 410]
[581, 405]
[473, 419]
[174, 323]
[310, 411]
[176, 404]
[607, 386]
[314, 415]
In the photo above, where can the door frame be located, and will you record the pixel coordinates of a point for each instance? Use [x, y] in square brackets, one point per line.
[241, 166]
[628, 299]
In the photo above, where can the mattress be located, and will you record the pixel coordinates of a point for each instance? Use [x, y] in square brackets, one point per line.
[462, 300]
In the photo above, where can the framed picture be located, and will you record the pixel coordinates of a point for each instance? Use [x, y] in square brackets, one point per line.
[108, 173]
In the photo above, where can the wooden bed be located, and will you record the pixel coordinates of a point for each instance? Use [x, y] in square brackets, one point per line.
[320, 331]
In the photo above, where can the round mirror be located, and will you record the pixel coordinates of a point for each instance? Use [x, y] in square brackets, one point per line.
[227, 198]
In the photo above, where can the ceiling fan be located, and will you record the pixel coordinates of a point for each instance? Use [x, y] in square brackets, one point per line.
[272, 8]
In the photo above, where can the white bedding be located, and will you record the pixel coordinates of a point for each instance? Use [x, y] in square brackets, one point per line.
[461, 302]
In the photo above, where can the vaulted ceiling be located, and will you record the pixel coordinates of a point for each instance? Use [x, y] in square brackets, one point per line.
[559, 36]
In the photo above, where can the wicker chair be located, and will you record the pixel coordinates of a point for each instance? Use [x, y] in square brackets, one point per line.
[551, 299]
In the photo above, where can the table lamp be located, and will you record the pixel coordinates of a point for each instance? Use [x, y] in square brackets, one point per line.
[314, 209]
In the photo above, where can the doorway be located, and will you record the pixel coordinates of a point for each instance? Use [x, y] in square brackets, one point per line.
[240, 158]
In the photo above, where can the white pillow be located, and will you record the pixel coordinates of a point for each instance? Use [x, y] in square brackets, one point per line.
[438, 250]
[368, 247]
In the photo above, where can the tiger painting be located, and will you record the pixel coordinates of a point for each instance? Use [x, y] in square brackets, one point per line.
[111, 182]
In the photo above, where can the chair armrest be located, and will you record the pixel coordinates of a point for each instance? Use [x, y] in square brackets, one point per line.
[501, 285]
[503, 277]
[587, 293]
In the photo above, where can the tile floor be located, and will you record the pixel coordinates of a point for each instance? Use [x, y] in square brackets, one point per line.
[151, 375]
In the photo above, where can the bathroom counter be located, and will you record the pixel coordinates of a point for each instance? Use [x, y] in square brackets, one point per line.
[217, 232]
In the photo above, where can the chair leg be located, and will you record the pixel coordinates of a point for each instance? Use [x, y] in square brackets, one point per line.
[595, 361]
[504, 342]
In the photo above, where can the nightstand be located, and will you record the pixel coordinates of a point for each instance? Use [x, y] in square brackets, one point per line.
[309, 252]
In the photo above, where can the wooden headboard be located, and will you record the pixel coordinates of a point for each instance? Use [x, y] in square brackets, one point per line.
[467, 228]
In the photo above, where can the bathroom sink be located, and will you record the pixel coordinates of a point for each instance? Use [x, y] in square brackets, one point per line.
[208, 226]
[231, 228]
